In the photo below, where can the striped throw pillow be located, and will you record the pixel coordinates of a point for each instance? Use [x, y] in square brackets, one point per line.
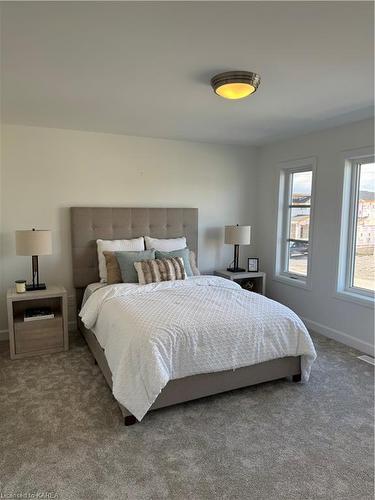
[156, 270]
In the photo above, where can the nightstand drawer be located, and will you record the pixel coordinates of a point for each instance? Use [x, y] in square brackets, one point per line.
[38, 335]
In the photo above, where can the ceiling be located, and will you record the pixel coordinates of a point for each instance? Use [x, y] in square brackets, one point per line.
[143, 68]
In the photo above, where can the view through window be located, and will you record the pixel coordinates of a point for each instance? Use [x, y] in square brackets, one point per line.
[363, 275]
[299, 222]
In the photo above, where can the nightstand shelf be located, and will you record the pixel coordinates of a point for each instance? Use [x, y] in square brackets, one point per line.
[41, 336]
[254, 282]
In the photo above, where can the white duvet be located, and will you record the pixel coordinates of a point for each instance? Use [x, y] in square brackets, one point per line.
[162, 331]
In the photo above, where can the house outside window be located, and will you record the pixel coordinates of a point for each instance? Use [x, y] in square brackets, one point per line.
[295, 216]
[356, 276]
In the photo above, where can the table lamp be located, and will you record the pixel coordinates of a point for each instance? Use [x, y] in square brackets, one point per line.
[237, 235]
[34, 243]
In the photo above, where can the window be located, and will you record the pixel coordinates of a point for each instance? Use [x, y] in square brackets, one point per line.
[295, 221]
[357, 265]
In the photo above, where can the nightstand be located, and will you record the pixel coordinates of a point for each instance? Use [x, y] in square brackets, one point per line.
[42, 336]
[255, 282]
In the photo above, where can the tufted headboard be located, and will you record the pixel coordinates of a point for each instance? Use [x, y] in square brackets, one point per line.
[91, 223]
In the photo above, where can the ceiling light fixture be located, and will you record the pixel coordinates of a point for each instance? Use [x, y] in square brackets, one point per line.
[235, 84]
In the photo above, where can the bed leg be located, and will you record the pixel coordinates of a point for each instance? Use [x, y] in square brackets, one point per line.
[296, 378]
[130, 420]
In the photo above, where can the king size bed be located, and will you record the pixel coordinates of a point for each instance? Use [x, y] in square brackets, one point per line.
[161, 344]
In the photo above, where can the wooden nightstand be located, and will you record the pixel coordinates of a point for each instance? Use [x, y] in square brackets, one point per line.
[255, 282]
[31, 338]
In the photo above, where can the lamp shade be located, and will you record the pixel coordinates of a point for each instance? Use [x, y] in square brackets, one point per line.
[238, 235]
[34, 242]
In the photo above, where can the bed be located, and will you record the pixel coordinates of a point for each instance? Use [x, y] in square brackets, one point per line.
[91, 223]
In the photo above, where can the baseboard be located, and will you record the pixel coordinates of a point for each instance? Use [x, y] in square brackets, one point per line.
[342, 337]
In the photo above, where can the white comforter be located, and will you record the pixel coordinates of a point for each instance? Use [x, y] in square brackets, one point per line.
[162, 331]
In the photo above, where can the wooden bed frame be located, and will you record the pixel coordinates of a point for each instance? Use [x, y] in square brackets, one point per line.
[90, 224]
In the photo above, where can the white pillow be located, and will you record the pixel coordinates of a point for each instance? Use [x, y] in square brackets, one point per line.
[165, 245]
[134, 245]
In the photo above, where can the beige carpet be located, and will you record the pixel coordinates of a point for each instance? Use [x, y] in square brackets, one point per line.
[61, 433]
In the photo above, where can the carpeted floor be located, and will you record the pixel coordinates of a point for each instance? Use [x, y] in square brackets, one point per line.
[61, 433]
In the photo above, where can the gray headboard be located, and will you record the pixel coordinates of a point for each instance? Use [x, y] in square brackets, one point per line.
[92, 223]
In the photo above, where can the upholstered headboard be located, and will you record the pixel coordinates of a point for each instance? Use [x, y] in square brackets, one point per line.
[92, 223]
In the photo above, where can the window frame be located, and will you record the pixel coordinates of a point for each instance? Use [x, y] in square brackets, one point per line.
[345, 289]
[286, 171]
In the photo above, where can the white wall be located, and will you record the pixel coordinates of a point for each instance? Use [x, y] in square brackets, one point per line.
[337, 318]
[45, 171]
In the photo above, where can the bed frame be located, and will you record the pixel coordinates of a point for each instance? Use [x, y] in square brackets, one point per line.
[91, 223]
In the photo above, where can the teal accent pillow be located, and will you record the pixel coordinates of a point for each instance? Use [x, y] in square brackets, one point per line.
[126, 263]
[183, 253]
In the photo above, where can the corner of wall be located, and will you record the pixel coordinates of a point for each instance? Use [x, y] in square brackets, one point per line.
[3, 333]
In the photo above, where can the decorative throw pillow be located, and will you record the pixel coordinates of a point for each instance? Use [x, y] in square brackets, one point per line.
[193, 264]
[135, 244]
[183, 253]
[154, 271]
[165, 244]
[113, 269]
[126, 263]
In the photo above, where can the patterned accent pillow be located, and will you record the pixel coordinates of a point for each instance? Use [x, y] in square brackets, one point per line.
[156, 270]
[113, 269]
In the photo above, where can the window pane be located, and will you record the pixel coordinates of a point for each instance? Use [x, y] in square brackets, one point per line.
[299, 225]
[301, 188]
[297, 258]
[364, 266]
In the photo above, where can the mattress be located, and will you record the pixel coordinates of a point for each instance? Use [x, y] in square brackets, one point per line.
[164, 331]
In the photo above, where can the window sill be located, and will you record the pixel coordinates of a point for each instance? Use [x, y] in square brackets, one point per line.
[356, 298]
[286, 280]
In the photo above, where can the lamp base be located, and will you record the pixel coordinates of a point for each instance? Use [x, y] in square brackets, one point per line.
[32, 288]
[236, 269]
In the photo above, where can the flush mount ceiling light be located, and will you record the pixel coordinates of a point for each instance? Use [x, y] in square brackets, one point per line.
[235, 84]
